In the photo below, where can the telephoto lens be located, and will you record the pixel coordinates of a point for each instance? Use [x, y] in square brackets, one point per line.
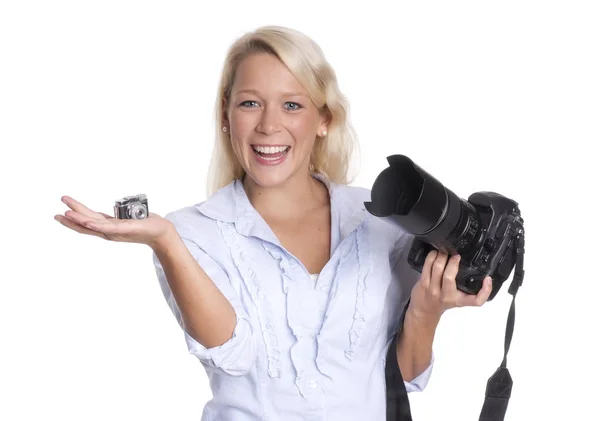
[406, 195]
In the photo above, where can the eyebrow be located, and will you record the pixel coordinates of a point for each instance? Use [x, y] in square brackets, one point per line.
[255, 92]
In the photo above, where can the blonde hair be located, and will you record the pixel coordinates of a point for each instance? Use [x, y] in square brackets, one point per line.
[332, 154]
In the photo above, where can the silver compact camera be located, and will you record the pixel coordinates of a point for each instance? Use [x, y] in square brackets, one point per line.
[132, 207]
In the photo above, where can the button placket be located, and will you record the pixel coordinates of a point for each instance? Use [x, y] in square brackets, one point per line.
[304, 319]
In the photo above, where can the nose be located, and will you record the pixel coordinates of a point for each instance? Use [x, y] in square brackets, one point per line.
[269, 120]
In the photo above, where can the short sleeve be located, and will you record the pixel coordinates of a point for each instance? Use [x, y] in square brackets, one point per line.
[238, 354]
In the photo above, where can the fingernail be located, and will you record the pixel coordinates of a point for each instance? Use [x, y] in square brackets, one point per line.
[64, 200]
[489, 280]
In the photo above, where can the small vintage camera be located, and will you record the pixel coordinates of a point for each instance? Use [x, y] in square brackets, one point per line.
[132, 207]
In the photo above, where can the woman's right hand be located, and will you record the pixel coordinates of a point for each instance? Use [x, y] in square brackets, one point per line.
[83, 220]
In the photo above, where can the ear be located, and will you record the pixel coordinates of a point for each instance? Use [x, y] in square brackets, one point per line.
[325, 121]
[225, 113]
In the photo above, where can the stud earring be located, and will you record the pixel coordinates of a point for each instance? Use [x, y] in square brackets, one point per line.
[224, 129]
[324, 133]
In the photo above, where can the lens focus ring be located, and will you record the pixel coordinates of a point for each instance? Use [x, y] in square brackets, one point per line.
[138, 212]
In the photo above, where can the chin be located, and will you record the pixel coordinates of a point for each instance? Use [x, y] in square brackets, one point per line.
[267, 179]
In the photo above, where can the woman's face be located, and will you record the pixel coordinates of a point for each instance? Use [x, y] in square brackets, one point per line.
[272, 122]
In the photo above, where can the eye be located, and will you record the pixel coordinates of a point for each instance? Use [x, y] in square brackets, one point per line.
[292, 106]
[248, 103]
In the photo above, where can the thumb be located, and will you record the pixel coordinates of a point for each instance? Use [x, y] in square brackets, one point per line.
[482, 296]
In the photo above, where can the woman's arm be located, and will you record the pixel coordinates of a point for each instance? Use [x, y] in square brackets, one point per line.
[415, 344]
[433, 294]
[208, 316]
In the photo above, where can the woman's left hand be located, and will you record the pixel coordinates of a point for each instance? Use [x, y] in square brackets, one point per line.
[436, 290]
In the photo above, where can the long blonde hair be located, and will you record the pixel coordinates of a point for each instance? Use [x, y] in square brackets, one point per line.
[332, 155]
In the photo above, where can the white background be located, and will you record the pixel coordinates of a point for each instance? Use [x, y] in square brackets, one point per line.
[104, 99]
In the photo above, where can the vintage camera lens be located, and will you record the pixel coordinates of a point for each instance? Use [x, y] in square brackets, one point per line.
[408, 196]
[138, 211]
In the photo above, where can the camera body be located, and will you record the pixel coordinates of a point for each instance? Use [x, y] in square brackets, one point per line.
[132, 207]
[487, 243]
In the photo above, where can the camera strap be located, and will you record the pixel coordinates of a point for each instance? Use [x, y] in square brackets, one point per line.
[499, 386]
[397, 404]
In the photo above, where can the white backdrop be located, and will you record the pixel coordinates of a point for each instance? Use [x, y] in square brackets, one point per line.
[104, 99]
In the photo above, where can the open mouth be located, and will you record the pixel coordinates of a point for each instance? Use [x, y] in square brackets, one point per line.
[271, 153]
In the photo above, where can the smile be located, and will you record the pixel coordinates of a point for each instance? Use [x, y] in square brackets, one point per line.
[271, 153]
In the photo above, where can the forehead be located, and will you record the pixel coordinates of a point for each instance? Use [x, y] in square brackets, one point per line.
[266, 74]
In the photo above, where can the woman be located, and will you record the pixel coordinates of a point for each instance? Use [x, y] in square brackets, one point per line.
[286, 289]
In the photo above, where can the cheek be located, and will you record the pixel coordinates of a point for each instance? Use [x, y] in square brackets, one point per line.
[238, 147]
[239, 133]
[305, 130]
[237, 129]
[236, 139]
[241, 122]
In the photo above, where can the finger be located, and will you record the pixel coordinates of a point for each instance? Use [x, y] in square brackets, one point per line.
[79, 207]
[437, 272]
[111, 226]
[76, 227]
[78, 218]
[481, 297]
[426, 271]
[106, 216]
[449, 277]
[102, 226]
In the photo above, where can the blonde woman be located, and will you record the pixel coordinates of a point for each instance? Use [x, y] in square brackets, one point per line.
[286, 289]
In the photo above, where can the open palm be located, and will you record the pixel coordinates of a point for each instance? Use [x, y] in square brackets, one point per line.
[86, 221]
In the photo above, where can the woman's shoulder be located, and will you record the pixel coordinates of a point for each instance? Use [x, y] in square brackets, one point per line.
[192, 224]
[203, 215]
[356, 193]
[356, 196]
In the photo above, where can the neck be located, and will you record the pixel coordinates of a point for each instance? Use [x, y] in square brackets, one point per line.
[291, 199]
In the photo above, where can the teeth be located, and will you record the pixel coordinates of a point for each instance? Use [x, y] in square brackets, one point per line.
[270, 149]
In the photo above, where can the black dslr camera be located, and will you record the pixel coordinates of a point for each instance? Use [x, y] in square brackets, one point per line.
[131, 207]
[484, 229]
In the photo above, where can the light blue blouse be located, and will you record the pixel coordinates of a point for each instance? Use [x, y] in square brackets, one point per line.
[304, 348]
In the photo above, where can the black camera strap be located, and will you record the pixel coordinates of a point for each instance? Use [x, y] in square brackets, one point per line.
[397, 404]
[499, 386]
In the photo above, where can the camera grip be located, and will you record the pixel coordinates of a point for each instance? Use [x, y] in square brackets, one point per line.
[419, 250]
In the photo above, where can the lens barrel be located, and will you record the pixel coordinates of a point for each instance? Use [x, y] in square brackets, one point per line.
[406, 195]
